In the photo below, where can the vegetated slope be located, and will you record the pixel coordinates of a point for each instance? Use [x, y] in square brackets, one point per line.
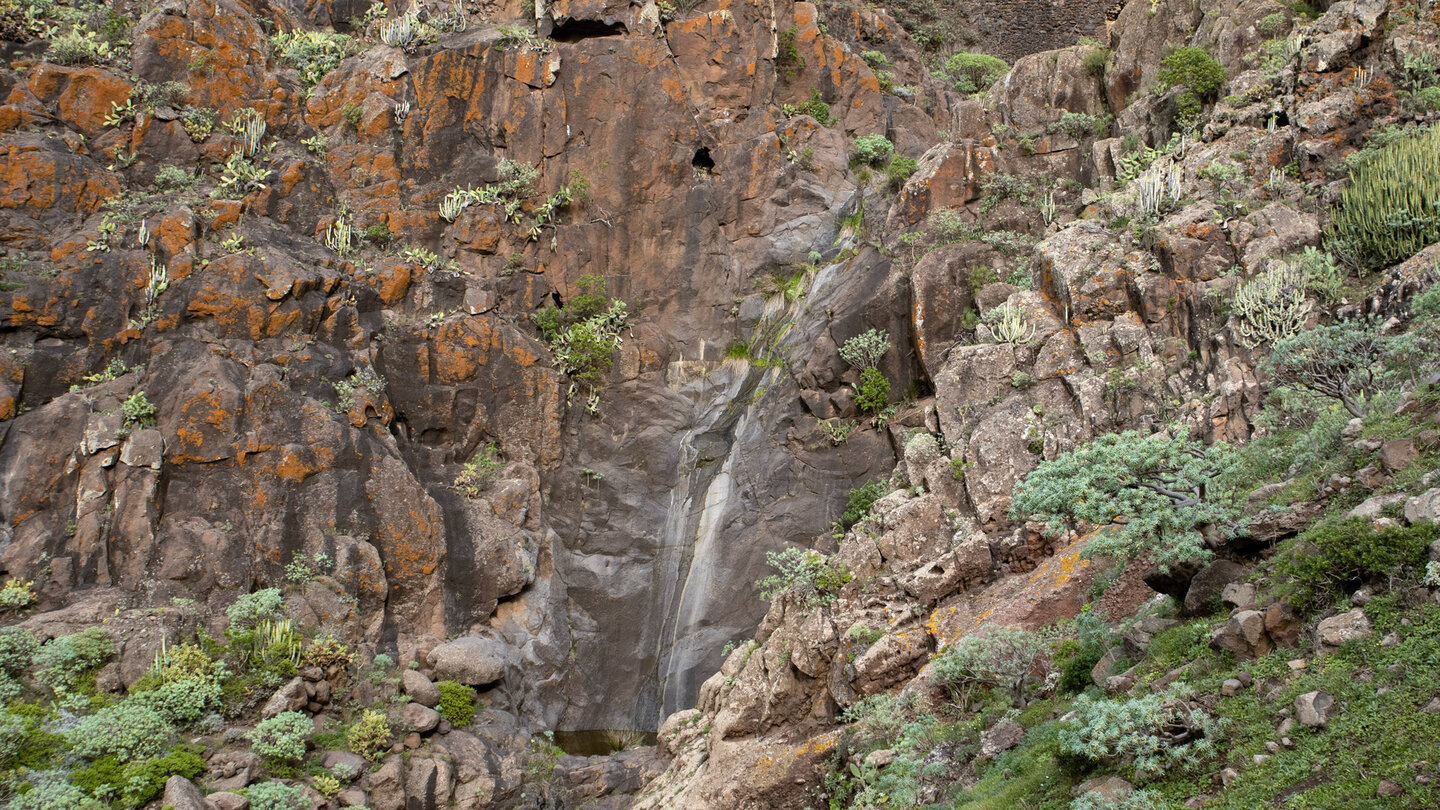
[508, 348]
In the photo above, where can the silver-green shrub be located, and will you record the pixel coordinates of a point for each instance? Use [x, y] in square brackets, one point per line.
[1149, 735]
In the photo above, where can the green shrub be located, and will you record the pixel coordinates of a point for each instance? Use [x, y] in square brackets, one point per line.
[1137, 732]
[1201, 76]
[126, 731]
[1342, 361]
[1391, 207]
[65, 662]
[900, 170]
[1095, 61]
[1273, 24]
[51, 792]
[858, 503]
[25, 739]
[274, 796]
[815, 107]
[1272, 306]
[974, 72]
[173, 178]
[139, 782]
[282, 737]
[872, 393]
[1139, 800]
[251, 608]
[873, 148]
[805, 574]
[1159, 483]
[313, 53]
[865, 349]
[457, 703]
[326, 651]
[370, 736]
[138, 409]
[1075, 660]
[1196, 69]
[1000, 657]
[477, 473]
[1426, 99]
[17, 650]
[1337, 556]
[78, 47]
[184, 701]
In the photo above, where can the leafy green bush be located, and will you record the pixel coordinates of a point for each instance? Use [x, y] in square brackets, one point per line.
[1201, 76]
[17, 649]
[1095, 61]
[51, 792]
[1161, 484]
[17, 594]
[370, 736]
[126, 731]
[873, 148]
[478, 472]
[1075, 660]
[78, 47]
[865, 349]
[1337, 556]
[274, 796]
[184, 701]
[1001, 657]
[872, 393]
[251, 608]
[282, 737]
[974, 72]
[805, 574]
[1151, 734]
[1391, 207]
[65, 662]
[313, 53]
[1342, 361]
[858, 503]
[137, 783]
[815, 107]
[173, 178]
[900, 170]
[1196, 69]
[457, 703]
[138, 409]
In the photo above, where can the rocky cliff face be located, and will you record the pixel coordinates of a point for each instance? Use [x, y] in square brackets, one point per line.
[228, 355]
[620, 542]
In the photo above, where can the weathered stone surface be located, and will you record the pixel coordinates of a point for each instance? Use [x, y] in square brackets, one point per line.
[1349, 626]
[225, 800]
[1244, 635]
[1205, 591]
[1314, 709]
[470, 660]
[181, 794]
[1001, 737]
[288, 698]
[1425, 506]
[420, 688]
[418, 717]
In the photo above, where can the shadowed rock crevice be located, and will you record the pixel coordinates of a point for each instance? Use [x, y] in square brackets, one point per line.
[576, 30]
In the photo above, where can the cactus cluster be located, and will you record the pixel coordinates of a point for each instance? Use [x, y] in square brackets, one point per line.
[1272, 306]
[1008, 323]
[340, 236]
[1391, 209]
[249, 125]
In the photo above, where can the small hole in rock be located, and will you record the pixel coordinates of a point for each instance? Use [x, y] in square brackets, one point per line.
[702, 159]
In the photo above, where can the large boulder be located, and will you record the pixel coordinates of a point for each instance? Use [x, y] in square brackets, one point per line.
[471, 660]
